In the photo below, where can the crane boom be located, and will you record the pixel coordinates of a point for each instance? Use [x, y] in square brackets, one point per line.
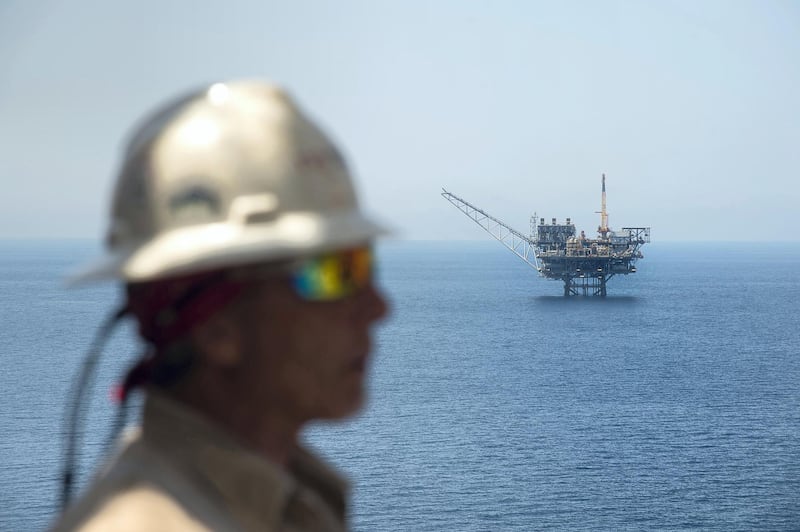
[521, 245]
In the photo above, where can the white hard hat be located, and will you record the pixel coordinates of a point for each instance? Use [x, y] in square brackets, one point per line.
[229, 175]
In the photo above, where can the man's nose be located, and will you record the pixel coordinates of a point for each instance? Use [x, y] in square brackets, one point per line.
[372, 303]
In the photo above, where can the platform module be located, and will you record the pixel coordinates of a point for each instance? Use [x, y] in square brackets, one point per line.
[584, 265]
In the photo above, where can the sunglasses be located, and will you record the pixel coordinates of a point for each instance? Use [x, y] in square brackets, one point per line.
[326, 277]
[333, 276]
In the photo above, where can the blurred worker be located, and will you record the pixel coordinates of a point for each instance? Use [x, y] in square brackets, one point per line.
[247, 265]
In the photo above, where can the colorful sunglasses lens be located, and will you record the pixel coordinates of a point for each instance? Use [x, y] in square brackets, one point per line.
[334, 276]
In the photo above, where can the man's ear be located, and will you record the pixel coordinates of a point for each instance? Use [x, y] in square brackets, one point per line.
[219, 340]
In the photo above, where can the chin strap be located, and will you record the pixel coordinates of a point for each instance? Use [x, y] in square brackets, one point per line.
[76, 408]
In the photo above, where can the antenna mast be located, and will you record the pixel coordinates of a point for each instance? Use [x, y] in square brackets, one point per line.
[603, 229]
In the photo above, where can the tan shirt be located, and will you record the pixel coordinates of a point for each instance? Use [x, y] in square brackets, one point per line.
[181, 472]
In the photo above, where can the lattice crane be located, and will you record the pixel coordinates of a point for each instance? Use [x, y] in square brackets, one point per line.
[522, 245]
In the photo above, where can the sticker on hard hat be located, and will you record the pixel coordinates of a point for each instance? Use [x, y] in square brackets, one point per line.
[194, 202]
[323, 161]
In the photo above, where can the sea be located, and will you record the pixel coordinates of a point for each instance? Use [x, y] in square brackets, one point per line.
[495, 403]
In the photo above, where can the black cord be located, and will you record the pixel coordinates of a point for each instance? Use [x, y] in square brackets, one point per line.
[76, 406]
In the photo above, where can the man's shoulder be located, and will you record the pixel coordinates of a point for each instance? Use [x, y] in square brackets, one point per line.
[141, 490]
[137, 507]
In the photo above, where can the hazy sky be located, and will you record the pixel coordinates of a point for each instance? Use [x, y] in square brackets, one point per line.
[692, 109]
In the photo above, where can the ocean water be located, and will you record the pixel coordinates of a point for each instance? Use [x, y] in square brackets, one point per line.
[495, 403]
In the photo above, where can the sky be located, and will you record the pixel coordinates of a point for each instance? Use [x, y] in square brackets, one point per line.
[691, 109]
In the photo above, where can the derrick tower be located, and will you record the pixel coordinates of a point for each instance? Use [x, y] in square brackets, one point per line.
[583, 264]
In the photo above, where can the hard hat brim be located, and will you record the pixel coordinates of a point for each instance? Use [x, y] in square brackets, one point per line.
[226, 245]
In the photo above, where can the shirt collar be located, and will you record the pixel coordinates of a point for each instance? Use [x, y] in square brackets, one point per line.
[254, 489]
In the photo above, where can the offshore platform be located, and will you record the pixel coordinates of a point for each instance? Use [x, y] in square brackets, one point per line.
[584, 264]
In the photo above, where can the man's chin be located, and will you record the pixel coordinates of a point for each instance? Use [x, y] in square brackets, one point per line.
[347, 408]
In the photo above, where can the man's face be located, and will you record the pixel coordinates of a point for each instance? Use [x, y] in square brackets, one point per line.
[305, 359]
